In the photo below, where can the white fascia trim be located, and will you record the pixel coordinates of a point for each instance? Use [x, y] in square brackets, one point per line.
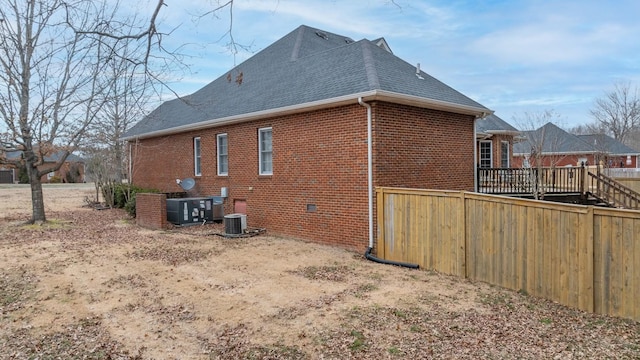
[397, 98]
[558, 153]
[504, 132]
[374, 95]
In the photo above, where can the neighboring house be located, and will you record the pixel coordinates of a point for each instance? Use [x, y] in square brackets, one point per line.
[614, 153]
[71, 171]
[560, 148]
[495, 139]
[301, 133]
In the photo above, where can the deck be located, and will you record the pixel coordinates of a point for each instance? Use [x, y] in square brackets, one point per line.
[510, 181]
[565, 184]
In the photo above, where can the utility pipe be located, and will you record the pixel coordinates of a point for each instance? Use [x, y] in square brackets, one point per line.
[369, 168]
[367, 254]
[475, 151]
[475, 155]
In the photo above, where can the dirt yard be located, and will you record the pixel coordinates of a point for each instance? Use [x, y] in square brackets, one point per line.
[92, 285]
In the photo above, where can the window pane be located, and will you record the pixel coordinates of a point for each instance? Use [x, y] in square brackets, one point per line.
[265, 151]
[266, 141]
[504, 155]
[223, 159]
[266, 163]
[485, 154]
[196, 155]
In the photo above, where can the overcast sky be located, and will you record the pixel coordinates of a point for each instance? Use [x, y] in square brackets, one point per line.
[512, 56]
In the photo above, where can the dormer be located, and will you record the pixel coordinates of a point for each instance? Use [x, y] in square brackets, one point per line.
[382, 43]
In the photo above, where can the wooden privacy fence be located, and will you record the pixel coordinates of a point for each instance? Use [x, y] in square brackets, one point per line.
[580, 256]
[632, 183]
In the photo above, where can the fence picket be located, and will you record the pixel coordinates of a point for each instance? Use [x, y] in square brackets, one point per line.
[581, 256]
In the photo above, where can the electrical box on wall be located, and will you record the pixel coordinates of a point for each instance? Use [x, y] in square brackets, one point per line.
[187, 211]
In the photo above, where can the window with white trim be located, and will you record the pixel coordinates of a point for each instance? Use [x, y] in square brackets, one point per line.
[265, 152]
[485, 154]
[504, 155]
[223, 157]
[196, 156]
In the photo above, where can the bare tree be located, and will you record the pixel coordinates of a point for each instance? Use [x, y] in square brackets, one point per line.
[618, 111]
[542, 142]
[125, 103]
[62, 62]
[52, 83]
[633, 140]
[588, 129]
[100, 168]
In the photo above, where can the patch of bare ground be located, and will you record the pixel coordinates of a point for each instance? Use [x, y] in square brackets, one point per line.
[92, 285]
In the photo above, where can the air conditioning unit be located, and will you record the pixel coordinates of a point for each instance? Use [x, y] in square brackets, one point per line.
[186, 211]
[235, 224]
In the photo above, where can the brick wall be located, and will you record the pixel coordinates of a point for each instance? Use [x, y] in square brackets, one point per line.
[564, 160]
[422, 148]
[497, 149]
[318, 190]
[151, 210]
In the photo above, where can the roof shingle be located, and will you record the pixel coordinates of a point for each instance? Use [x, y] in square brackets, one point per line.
[307, 65]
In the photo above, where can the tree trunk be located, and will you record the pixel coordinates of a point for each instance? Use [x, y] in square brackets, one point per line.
[118, 160]
[37, 199]
[540, 183]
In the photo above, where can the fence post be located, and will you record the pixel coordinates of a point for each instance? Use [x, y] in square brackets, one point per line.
[465, 243]
[582, 179]
[380, 243]
[587, 274]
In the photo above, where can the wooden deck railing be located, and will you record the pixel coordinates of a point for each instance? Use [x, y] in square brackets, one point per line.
[563, 180]
[530, 180]
[613, 192]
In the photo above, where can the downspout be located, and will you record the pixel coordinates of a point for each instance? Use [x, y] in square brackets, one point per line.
[475, 155]
[367, 254]
[475, 151]
[369, 168]
[130, 175]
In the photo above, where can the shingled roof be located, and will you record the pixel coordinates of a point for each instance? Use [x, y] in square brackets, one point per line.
[54, 157]
[308, 68]
[493, 124]
[554, 140]
[605, 143]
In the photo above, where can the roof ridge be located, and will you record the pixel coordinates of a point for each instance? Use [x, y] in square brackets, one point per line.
[316, 53]
[369, 66]
[298, 43]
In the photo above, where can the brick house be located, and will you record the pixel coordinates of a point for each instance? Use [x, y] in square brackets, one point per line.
[72, 170]
[301, 133]
[495, 139]
[560, 148]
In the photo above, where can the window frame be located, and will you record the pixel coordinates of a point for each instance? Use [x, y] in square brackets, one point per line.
[504, 157]
[220, 154]
[197, 156]
[261, 151]
[480, 154]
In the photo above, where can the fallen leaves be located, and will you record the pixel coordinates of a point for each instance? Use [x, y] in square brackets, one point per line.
[352, 308]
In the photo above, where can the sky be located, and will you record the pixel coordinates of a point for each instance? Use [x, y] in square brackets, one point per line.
[515, 57]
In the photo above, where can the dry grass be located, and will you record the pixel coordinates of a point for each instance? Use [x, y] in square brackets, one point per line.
[95, 286]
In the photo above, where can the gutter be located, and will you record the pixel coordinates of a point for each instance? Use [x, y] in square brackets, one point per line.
[373, 95]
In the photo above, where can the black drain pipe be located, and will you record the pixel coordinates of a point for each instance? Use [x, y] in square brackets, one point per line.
[368, 255]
